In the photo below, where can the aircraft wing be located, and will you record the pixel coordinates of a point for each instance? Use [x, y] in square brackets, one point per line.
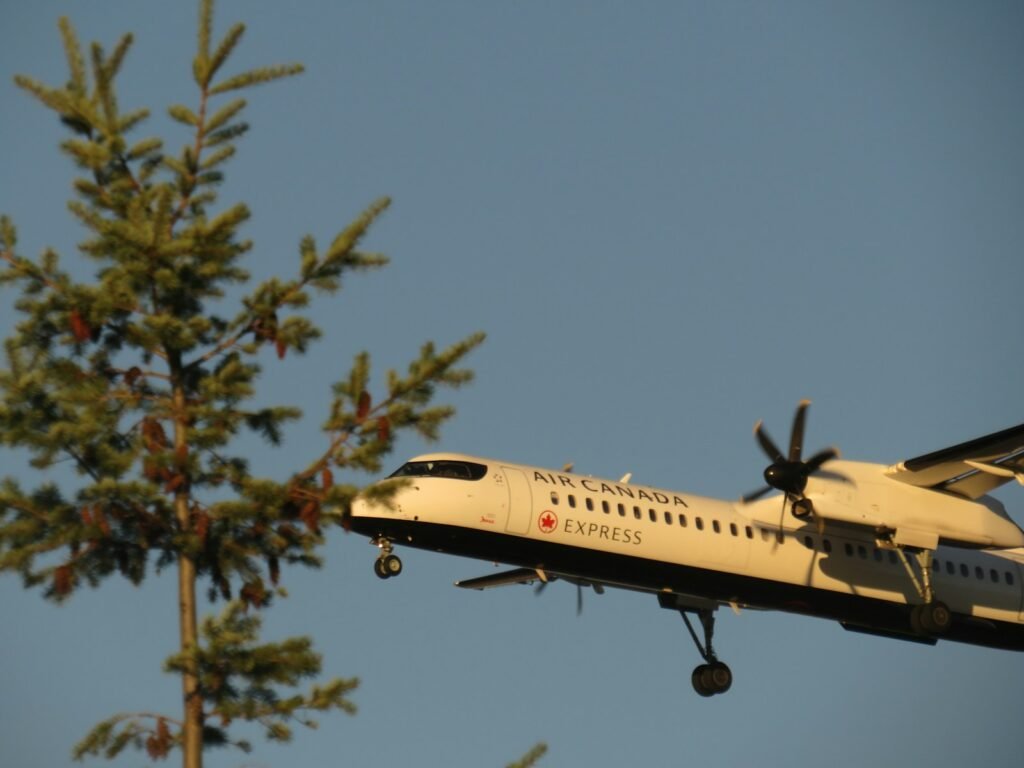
[969, 469]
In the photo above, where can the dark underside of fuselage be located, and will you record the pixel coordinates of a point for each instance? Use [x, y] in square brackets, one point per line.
[854, 612]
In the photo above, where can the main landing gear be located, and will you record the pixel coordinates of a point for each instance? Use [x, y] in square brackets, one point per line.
[387, 563]
[931, 617]
[713, 676]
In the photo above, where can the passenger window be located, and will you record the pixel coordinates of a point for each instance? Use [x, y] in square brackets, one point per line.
[682, 520]
[572, 501]
[964, 571]
[979, 572]
[590, 504]
[950, 567]
[636, 512]
[668, 517]
[605, 507]
[700, 523]
[717, 528]
[994, 575]
[808, 542]
[848, 548]
[861, 552]
[653, 515]
[554, 497]
[765, 535]
[733, 530]
[622, 511]
[750, 532]
[1009, 578]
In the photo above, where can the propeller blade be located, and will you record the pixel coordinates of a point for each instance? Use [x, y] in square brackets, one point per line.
[755, 495]
[796, 437]
[766, 443]
[814, 463]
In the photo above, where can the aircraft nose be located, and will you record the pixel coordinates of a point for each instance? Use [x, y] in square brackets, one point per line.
[357, 512]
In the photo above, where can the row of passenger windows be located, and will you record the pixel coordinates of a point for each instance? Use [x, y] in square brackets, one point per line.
[877, 555]
[652, 514]
[849, 549]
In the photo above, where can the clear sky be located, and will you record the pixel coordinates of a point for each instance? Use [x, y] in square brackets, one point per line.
[672, 219]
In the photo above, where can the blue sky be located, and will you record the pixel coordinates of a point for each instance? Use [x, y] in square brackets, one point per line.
[672, 219]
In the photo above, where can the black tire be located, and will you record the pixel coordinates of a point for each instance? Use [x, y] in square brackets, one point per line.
[378, 568]
[916, 623]
[937, 617]
[721, 677]
[932, 618]
[698, 679]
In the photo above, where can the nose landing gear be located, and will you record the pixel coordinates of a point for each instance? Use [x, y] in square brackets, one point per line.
[713, 676]
[387, 563]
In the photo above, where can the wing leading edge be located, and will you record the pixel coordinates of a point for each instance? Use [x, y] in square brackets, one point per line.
[969, 469]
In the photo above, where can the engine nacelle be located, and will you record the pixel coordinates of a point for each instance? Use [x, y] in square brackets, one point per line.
[861, 494]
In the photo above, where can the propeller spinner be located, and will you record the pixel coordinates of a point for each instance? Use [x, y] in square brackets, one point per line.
[788, 473]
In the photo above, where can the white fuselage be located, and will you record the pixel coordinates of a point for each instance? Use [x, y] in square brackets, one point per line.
[697, 548]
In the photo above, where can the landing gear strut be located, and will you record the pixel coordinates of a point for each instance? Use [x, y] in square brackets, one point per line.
[713, 676]
[387, 563]
[931, 617]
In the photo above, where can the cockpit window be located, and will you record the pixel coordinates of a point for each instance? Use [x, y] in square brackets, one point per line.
[459, 470]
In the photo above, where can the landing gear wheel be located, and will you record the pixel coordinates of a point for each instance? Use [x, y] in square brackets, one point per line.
[698, 679]
[391, 565]
[711, 679]
[721, 677]
[378, 568]
[932, 618]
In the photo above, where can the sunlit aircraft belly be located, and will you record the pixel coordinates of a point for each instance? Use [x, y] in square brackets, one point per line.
[647, 539]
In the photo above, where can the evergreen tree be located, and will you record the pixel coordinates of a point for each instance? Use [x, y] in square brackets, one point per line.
[144, 383]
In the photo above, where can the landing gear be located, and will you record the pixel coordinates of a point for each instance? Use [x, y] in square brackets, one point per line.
[931, 617]
[713, 676]
[387, 563]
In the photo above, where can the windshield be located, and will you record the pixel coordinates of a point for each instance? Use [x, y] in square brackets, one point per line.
[460, 470]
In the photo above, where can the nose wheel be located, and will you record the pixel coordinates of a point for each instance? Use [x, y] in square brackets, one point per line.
[387, 564]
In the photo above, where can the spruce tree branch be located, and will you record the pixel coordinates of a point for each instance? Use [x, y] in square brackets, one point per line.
[29, 269]
[30, 511]
[197, 149]
[226, 344]
[82, 464]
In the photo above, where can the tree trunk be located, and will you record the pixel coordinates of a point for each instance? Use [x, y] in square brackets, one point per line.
[192, 731]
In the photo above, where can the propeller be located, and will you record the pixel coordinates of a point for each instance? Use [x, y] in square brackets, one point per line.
[789, 472]
[579, 590]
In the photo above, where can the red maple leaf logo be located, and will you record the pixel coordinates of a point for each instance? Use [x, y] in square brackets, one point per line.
[547, 521]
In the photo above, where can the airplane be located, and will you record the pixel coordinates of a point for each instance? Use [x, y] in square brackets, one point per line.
[915, 551]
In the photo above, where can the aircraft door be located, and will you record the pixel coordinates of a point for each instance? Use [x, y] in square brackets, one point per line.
[520, 501]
